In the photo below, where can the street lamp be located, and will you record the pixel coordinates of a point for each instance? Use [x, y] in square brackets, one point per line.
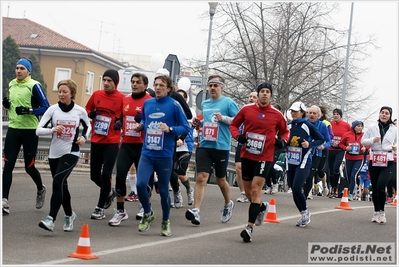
[347, 61]
[212, 11]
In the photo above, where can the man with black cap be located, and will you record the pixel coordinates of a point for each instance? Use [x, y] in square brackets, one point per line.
[104, 108]
[382, 139]
[25, 102]
[335, 153]
[258, 138]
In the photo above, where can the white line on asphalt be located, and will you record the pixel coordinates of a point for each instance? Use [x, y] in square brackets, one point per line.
[175, 239]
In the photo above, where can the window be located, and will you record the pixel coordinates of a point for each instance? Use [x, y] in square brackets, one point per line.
[89, 82]
[61, 74]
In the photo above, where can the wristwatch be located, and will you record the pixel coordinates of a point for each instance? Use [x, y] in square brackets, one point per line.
[170, 129]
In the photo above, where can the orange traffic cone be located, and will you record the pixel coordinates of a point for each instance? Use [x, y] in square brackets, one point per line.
[395, 201]
[271, 215]
[83, 250]
[344, 205]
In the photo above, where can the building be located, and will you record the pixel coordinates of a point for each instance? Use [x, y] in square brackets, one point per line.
[60, 58]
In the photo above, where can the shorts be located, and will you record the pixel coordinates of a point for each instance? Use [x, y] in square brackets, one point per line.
[182, 161]
[364, 180]
[251, 168]
[208, 157]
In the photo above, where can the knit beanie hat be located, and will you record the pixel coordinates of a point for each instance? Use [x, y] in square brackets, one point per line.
[339, 111]
[26, 63]
[356, 123]
[265, 85]
[113, 74]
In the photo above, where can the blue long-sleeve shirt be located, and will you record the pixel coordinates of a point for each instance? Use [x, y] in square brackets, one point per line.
[157, 143]
[322, 128]
[301, 130]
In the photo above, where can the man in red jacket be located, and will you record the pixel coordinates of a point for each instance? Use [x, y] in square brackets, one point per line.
[262, 121]
[104, 108]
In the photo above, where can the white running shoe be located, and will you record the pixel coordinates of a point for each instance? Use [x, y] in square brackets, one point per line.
[119, 216]
[242, 198]
[68, 222]
[227, 212]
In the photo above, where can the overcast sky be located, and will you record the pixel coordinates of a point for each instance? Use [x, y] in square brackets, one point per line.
[180, 28]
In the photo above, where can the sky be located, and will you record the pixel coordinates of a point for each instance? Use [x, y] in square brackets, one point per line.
[181, 28]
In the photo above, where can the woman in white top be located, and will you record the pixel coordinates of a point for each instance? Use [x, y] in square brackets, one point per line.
[65, 118]
[382, 139]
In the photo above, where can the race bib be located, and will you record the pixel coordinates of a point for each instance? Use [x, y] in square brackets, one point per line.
[294, 155]
[154, 139]
[255, 143]
[335, 141]
[211, 131]
[69, 129]
[380, 159]
[354, 148]
[101, 125]
[129, 126]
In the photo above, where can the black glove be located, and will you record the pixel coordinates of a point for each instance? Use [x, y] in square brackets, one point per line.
[117, 125]
[280, 143]
[22, 110]
[137, 118]
[241, 139]
[92, 114]
[6, 102]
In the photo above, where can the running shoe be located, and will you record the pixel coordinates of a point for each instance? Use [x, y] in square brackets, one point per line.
[246, 234]
[305, 218]
[165, 228]
[110, 198]
[190, 196]
[6, 207]
[262, 213]
[146, 221]
[193, 215]
[120, 215]
[381, 217]
[132, 197]
[178, 200]
[242, 198]
[350, 197]
[268, 191]
[47, 223]
[140, 214]
[376, 214]
[68, 222]
[274, 189]
[98, 214]
[227, 212]
[40, 198]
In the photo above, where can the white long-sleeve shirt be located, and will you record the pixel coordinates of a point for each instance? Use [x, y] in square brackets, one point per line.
[390, 139]
[64, 143]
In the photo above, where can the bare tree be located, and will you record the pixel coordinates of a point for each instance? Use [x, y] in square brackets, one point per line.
[288, 45]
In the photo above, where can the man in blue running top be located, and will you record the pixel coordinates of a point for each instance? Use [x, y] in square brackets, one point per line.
[217, 113]
[25, 102]
[162, 120]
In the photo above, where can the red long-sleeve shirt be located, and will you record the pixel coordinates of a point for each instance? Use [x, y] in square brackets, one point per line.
[353, 140]
[108, 107]
[339, 129]
[264, 122]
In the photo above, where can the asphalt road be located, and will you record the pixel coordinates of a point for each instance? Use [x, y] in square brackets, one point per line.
[213, 242]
